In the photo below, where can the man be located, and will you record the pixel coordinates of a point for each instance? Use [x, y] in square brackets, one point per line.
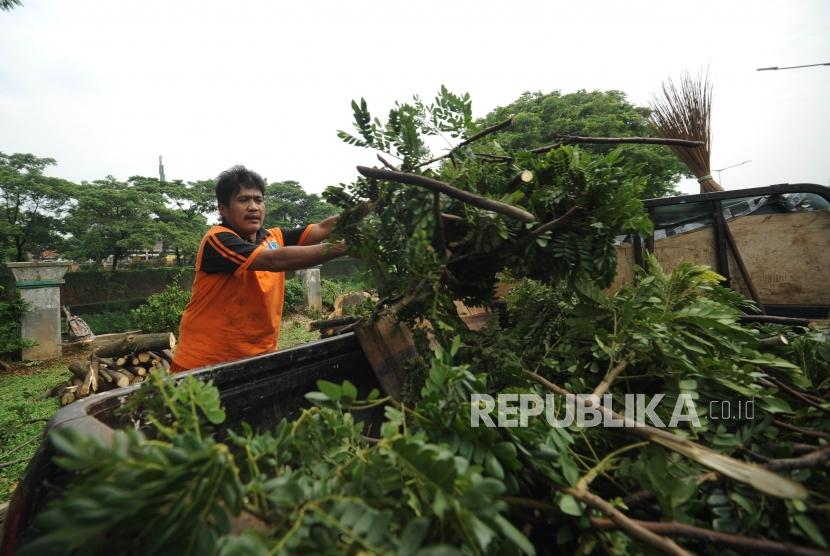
[236, 306]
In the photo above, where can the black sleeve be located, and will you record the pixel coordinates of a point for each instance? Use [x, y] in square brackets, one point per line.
[291, 237]
[225, 252]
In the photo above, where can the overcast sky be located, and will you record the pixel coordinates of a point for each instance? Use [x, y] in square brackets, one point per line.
[105, 87]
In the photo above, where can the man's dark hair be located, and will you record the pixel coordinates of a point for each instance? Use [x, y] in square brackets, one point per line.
[233, 179]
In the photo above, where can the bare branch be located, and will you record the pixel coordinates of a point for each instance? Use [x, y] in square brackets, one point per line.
[772, 319]
[803, 462]
[807, 432]
[438, 238]
[475, 137]
[495, 158]
[453, 218]
[550, 226]
[627, 524]
[747, 544]
[810, 400]
[571, 139]
[435, 185]
[387, 164]
[603, 386]
[330, 323]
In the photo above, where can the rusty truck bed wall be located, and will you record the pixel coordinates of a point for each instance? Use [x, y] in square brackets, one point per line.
[787, 254]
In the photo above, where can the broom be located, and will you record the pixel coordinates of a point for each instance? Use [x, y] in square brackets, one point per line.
[684, 112]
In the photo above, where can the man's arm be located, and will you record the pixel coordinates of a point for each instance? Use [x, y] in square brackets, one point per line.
[297, 257]
[321, 230]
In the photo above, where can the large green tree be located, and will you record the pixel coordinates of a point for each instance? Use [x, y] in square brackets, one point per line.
[181, 220]
[31, 204]
[539, 118]
[114, 218]
[288, 205]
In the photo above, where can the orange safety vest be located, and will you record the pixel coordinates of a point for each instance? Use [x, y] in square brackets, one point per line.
[231, 315]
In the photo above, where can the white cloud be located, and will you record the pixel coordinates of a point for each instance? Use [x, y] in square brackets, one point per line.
[104, 87]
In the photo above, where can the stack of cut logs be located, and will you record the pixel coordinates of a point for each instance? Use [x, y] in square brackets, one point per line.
[117, 364]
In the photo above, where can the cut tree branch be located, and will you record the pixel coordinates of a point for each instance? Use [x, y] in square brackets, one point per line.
[331, 323]
[603, 386]
[552, 225]
[803, 396]
[630, 526]
[745, 544]
[525, 176]
[475, 137]
[438, 238]
[453, 218]
[571, 139]
[758, 477]
[137, 343]
[803, 462]
[772, 319]
[387, 164]
[495, 158]
[445, 188]
[807, 432]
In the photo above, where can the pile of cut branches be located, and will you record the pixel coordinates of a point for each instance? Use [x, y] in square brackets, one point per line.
[730, 458]
[116, 364]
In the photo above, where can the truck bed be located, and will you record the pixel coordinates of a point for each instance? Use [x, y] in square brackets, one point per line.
[259, 390]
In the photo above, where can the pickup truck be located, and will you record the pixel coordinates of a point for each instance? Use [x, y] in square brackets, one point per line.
[770, 243]
[781, 232]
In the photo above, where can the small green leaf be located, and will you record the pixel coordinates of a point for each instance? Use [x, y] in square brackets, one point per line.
[688, 384]
[348, 390]
[811, 530]
[514, 535]
[413, 536]
[570, 505]
[330, 389]
[492, 466]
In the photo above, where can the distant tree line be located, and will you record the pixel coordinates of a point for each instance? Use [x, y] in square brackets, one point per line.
[103, 218]
[111, 218]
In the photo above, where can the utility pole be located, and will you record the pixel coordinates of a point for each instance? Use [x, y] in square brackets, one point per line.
[160, 242]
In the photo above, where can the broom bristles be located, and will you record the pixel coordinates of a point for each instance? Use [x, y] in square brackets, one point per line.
[684, 112]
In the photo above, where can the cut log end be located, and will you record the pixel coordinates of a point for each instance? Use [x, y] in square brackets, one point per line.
[67, 398]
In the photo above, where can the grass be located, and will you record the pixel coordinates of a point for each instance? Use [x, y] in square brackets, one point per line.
[293, 331]
[23, 416]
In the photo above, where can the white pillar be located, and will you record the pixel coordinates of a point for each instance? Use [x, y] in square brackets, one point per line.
[39, 284]
[311, 281]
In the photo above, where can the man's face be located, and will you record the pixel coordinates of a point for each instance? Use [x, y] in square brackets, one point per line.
[246, 212]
